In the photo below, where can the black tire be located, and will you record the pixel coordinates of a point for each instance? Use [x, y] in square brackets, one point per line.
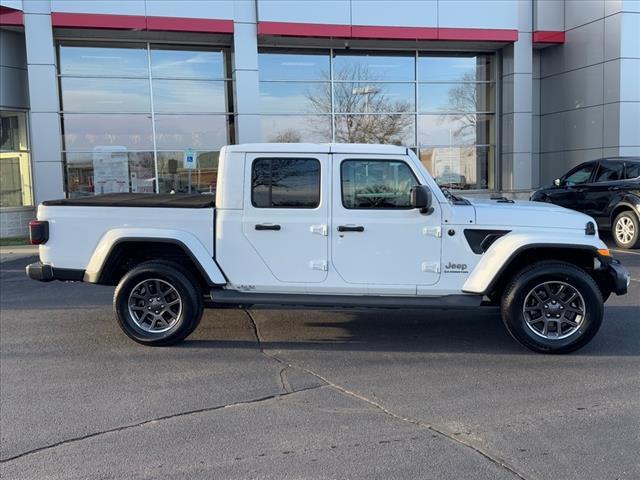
[631, 219]
[186, 318]
[519, 290]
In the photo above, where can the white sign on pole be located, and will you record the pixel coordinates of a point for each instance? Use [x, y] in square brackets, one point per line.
[190, 160]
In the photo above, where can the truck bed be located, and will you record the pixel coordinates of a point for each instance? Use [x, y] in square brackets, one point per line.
[152, 200]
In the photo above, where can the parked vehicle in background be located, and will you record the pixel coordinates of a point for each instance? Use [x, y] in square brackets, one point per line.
[331, 225]
[607, 190]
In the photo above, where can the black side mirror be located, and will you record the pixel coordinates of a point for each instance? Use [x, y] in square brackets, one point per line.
[421, 198]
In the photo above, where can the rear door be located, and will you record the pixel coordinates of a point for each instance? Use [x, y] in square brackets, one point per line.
[286, 217]
[598, 194]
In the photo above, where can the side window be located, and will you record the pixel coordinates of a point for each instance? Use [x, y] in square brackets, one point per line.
[609, 172]
[285, 183]
[376, 184]
[632, 171]
[582, 175]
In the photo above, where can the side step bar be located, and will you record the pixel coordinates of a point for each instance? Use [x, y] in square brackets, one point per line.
[235, 298]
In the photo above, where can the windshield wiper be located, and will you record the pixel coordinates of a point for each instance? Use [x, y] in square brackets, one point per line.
[454, 198]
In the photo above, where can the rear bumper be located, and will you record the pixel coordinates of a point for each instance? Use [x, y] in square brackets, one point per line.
[46, 273]
[619, 276]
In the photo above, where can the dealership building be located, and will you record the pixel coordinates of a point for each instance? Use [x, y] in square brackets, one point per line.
[494, 96]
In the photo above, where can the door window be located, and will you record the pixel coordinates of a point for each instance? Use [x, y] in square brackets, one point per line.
[610, 172]
[376, 184]
[285, 183]
[579, 176]
[633, 170]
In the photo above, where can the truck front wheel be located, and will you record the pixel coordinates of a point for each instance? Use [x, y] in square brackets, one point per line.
[156, 304]
[552, 307]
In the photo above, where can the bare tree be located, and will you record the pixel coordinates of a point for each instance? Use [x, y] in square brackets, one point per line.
[356, 93]
[463, 101]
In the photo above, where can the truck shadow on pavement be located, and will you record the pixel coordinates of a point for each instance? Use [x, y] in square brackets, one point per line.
[414, 331]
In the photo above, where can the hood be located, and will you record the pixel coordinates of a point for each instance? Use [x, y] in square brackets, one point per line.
[527, 214]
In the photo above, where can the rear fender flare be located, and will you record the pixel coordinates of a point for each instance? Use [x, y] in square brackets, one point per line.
[202, 258]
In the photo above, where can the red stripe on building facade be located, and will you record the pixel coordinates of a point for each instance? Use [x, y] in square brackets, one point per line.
[383, 32]
[11, 17]
[138, 22]
[544, 36]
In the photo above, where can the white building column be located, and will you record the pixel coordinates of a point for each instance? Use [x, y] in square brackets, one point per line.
[518, 166]
[245, 72]
[46, 141]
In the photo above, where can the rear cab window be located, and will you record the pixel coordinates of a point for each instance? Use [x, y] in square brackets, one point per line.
[285, 183]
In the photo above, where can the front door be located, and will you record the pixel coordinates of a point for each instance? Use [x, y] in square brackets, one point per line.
[377, 238]
[286, 215]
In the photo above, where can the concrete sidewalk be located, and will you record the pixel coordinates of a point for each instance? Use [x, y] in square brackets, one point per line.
[17, 251]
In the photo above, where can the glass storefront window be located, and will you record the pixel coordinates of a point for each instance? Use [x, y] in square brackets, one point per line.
[296, 128]
[105, 95]
[430, 102]
[373, 67]
[111, 60]
[115, 96]
[15, 164]
[172, 177]
[177, 62]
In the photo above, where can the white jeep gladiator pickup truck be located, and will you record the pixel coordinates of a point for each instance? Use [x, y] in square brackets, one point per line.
[331, 225]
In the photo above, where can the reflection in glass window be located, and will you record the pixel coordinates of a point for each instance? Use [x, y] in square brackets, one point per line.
[289, 97]
[198, 132]
[463, 68]
[387, 129]
[460, 168]
[580, 175]
[15, 165]
[130, 61]
[376, 184]
[88, 131]
[632, 170]
[177, 63]
[109, 115]
[294, 66]
[610, 171]
[456, 97]
[285, 183]
[455, 129]
[173, 178]
[421, 100]
[189, 96]
[126, 95]
[373, 67]
[109, 170]
[362, 97]
[296, 128]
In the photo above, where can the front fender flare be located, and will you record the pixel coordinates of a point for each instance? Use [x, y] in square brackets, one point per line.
[189, 242]
[497, 258]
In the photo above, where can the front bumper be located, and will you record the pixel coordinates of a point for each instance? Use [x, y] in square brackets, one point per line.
[619, 277]
[46, 273]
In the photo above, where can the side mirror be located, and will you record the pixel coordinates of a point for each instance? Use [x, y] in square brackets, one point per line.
[421, 198]
[557, 182]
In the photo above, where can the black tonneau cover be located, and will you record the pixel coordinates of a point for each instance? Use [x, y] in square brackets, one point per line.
[154, 200]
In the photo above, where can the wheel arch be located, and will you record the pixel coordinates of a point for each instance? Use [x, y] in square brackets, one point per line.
[621, 207]
[116, 254]
[508, 255]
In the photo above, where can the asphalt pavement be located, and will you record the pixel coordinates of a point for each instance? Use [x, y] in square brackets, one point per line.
[295, 394]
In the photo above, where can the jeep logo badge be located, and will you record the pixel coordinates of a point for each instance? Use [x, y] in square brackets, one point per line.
[452, 267]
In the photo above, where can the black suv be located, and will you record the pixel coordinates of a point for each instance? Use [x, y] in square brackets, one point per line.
[607, 190]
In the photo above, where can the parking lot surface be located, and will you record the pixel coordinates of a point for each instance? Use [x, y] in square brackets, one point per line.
[309, 394]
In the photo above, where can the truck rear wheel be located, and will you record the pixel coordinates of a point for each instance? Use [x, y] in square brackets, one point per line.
[156, 304]
[552, 307]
